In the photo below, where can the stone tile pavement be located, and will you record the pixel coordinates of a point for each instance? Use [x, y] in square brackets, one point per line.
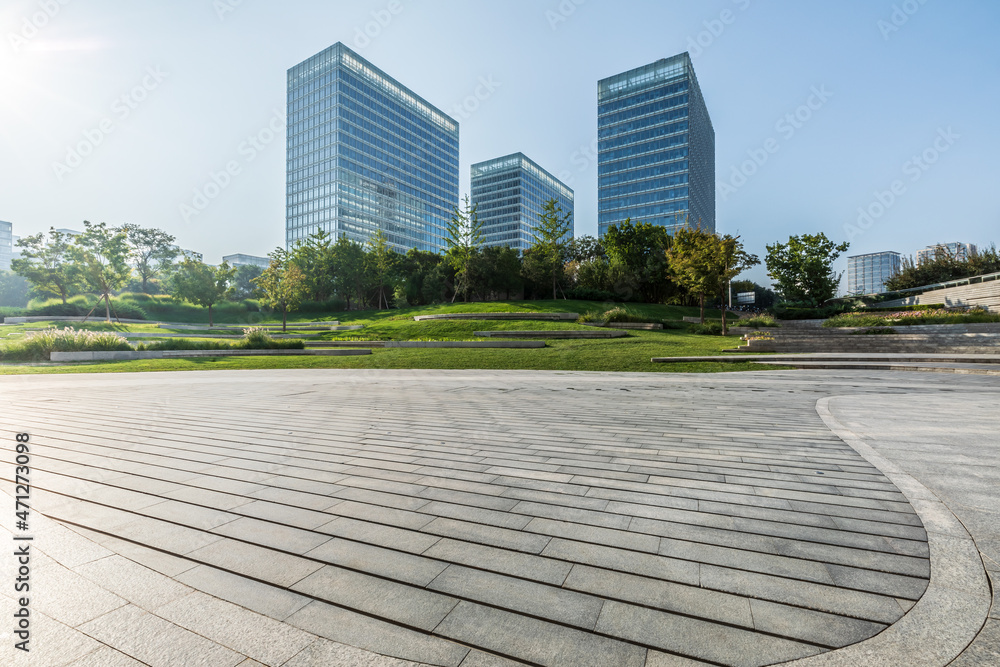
[494, 518]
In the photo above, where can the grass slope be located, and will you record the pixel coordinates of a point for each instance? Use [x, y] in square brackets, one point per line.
[622, 354]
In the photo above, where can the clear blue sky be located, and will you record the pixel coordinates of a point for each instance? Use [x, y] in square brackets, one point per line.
[199, 77]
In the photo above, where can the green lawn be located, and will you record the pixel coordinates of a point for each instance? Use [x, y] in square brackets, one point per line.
[632, 353]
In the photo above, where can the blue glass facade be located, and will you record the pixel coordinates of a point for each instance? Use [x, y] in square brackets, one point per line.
[365, 153]
[6, 245]
[656, 148]
[509, 193]
[867, 274]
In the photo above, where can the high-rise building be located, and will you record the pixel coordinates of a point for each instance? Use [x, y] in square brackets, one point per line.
[509, 193]
[6, 245]
[656, 148]
[365, 153]
[239, 259]
[957, 251]
[867, 274]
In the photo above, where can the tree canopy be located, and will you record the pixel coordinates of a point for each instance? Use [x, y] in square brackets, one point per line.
[100, 260]
[46, 263]
[802, 268]
[202, 284]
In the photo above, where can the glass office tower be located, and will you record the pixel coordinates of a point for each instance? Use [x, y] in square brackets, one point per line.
[958, 251]
[366, 153]
[509, 193]
[867, 274]
[6, 245]
[656, 148]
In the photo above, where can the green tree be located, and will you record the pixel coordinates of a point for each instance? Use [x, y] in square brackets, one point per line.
[585, 248]
[464, 239]
[502, 270]
[243, 286]
[151, 251]
[416, 270]
[282, 285]
[944, 267]
[348, 269]
[202, 284]
[315, 257]
[100, 261]
[380, 265]
[547, 254]
[46, 263]
[637, 254]
[692, 263]
[802, 268]
[727, 260]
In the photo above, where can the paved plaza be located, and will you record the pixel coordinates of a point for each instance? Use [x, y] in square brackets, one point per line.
[489, 518]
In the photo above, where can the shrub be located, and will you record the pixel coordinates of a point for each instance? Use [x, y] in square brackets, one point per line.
[912, 317]
[707, 329]
[592, 317]
[254, 338]
[621, 314]
[37, 345]
[757, 321]
[10, 311]
[589, 294]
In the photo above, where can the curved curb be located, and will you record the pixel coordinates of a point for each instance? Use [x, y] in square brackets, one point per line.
[955, 605]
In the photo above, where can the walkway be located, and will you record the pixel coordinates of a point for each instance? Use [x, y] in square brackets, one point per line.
[491, 518]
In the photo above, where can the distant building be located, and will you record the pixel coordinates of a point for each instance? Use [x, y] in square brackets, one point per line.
[247, 260]
[364, 154]
[656, 148]
[509, 193]
[867, 274]
[68, 232]
[957, 251]
[6, 245]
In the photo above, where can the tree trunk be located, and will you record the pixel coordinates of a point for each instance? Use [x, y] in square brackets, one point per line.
[107, 307]
[724, 309]
[209, 316]
[701, 304]
[62, 293]
[284, 311]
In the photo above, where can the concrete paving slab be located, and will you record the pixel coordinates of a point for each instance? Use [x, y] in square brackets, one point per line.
[639, 505]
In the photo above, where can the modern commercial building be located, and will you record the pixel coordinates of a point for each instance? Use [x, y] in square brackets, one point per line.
[240, 259]
[6, 245]
[365, 153]
[509, 193]
[656, 148]
[958, 251]
[867, 274]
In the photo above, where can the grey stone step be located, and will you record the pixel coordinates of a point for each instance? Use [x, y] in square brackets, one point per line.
[554, 334]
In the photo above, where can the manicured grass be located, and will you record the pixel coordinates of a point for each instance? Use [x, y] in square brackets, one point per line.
[632, 353]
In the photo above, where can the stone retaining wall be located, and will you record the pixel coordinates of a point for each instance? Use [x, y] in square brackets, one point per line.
[499, 316]
[177, 354]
